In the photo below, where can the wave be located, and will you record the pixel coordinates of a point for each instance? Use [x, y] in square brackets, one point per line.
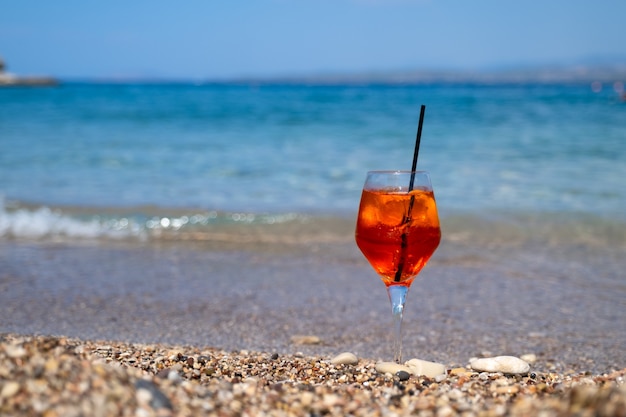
[23, 221]
[18, 220]
[44, 222]
[240, 230]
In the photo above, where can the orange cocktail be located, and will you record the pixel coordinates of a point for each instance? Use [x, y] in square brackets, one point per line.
[397, 230]
[395, 240]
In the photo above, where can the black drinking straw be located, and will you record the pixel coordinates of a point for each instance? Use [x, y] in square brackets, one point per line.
[418, 137]
[407, 218]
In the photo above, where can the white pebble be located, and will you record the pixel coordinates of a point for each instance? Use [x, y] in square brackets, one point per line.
[391, 368]
[529, 357]
[143, 396]
[428, 369]
[440, 378]
[9, 389]
[173, 376]
[504, 364]
[306, 340]
[345, 358]
[15, 352]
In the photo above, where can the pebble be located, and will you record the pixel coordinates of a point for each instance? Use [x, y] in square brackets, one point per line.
[391, 368]
[459, 371]
[403, 375]
[306, 340]
[529, 358]
[345, 358]
[421, 367]
[9, 389]
[149, 393]
[15, 352]
[506, 364]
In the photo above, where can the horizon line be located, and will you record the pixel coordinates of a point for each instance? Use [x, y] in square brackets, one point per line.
[540, 74]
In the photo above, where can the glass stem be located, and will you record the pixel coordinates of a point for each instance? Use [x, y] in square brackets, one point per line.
[397, 296]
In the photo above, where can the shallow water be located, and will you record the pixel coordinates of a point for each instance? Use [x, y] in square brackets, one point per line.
[560, 298]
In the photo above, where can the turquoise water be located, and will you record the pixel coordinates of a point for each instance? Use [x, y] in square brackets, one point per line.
[76, 154]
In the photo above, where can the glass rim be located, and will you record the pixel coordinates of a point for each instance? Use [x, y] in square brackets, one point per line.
[397, 171]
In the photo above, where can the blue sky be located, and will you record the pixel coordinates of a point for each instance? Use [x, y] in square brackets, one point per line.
[237, 38]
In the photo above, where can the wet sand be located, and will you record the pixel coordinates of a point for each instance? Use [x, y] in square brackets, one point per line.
[561, 302]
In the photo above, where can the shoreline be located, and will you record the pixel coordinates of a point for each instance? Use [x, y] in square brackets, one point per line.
[65, 376]
[24, 222]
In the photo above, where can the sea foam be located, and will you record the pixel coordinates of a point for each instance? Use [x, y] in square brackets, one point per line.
[24, 221]
[43, 222]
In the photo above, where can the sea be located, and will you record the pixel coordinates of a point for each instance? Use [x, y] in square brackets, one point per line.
[528, 177]
[97, 160]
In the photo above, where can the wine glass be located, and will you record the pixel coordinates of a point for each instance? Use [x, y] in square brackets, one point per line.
[397, 230]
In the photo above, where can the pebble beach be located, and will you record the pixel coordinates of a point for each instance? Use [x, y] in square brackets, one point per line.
[58, 376]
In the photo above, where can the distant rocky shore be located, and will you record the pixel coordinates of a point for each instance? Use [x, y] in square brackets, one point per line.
[9, 80]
